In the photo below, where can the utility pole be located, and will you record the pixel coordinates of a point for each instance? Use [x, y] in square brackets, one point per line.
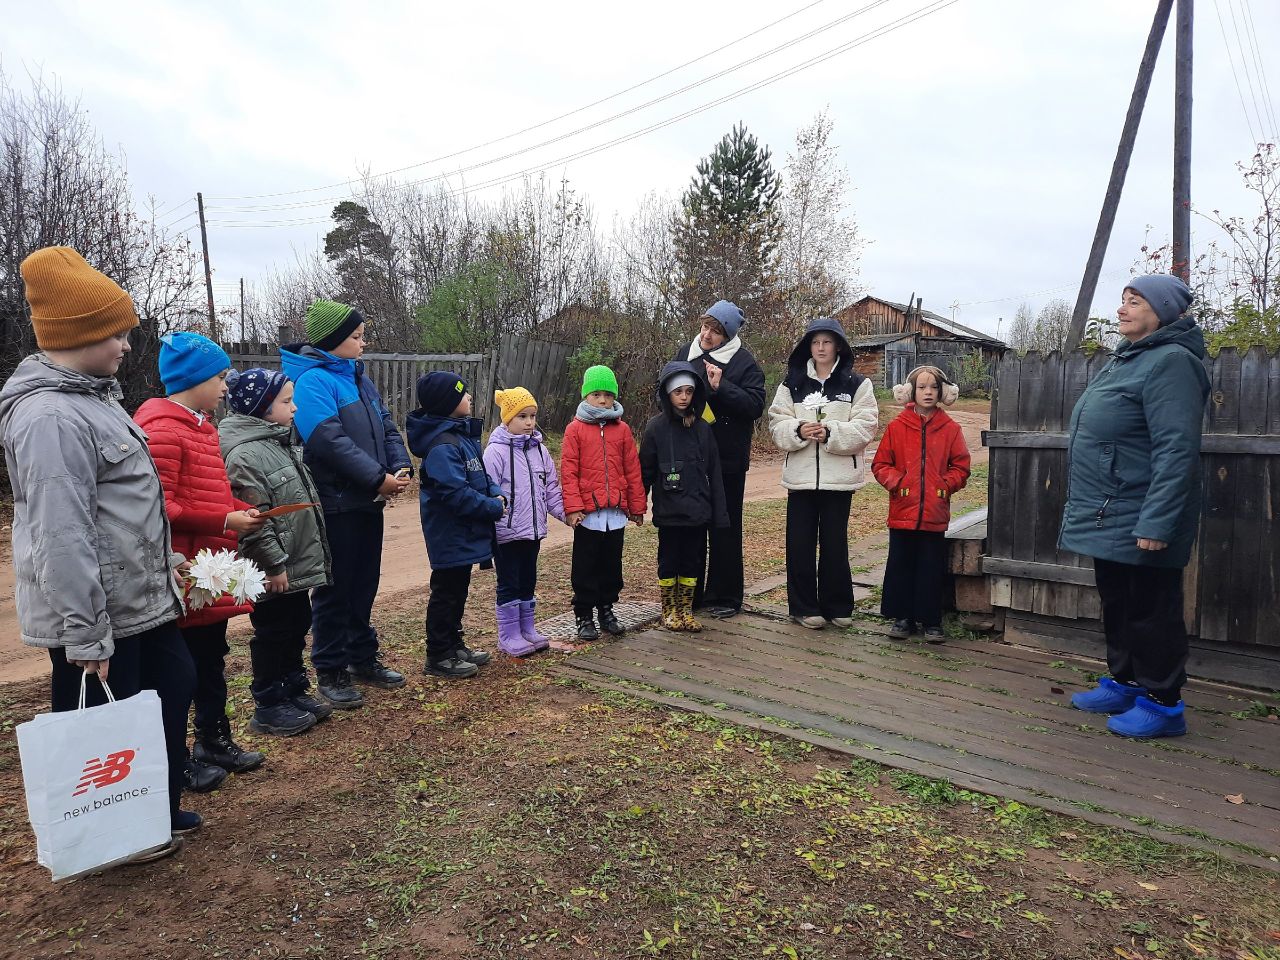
[208, 274]
[242, 310]
[1182, 142]
[1111, 202]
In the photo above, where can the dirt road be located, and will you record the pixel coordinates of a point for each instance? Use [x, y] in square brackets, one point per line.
[404, 567]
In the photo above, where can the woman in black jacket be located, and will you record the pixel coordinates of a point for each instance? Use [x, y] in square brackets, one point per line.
[736, 400]
[680, 463]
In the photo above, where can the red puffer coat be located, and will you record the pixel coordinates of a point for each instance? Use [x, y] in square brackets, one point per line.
[197, 494]
[600, 468]
[921, 463]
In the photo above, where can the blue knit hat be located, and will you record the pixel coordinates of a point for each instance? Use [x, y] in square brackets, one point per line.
[439, 392]
[187, 359]
[253, 391]
[728, 315]
[1169, 296]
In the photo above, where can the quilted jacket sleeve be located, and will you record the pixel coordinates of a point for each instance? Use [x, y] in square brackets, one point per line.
[168, 451]
[957, 472]
[570, 464]
[555, 494]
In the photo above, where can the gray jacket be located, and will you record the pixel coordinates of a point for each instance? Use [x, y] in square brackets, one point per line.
[91, 548]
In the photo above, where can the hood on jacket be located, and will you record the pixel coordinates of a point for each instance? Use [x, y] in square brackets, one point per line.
[798, 362]
[699, 387]
[238, 428]
[423, 429]
[38, 374]
[504, 437]
[297, 358]
[1183, 332]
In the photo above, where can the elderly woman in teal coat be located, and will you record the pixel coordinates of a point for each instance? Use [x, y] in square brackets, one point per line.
[1133, 503]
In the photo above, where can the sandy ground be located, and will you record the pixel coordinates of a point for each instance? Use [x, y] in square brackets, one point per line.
[405, 567]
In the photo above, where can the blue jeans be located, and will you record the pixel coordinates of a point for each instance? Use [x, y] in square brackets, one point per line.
[341, 633]
[156, 659]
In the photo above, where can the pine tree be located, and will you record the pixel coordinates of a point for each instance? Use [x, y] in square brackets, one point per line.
[727, 231]
[365, 260]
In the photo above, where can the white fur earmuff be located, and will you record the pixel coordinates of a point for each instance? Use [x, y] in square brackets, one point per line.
[904, 392]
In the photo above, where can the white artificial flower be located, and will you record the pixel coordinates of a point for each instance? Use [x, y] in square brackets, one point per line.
[250, 582]
[815, 399]
[198, 598]
[212, 571]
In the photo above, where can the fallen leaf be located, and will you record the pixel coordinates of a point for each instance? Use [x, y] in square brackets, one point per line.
[807, 926]
[965, 934]
[1056, 690]
[1235, 798]
[1147, 886]
[1274, 935]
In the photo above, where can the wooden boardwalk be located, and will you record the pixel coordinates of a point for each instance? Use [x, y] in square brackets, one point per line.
[984, 715]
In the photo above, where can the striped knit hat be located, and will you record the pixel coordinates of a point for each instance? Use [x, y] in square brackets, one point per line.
[329, 323]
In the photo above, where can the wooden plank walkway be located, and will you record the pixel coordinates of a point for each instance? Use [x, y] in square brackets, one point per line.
[984, 715]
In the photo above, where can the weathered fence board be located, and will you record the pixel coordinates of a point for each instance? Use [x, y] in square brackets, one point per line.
[541, 367]
[1232, 581]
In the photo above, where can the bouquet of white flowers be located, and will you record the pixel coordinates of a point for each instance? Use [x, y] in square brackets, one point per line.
[215, 575]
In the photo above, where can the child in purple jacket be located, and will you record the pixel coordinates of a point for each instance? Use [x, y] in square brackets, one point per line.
[517, 462]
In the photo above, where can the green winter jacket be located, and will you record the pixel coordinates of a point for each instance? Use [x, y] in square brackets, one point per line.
[264, 465]
[1133, 454]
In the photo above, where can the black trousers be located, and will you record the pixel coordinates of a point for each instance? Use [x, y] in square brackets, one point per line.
[280, 627]
[724, 580]
[818, 580]
[596, 570]
[342, 634]
[157, 660]
[680, 551]
[914, 576]
[209, 649]
[516, 562]
[445, 607]
[1142, 620]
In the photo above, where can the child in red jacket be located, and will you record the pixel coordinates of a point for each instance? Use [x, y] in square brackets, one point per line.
[600, 477]
[922, 460]
[202, 513]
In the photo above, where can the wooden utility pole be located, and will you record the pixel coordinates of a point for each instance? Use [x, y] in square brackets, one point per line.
[1111, 202]
[242, 309]
[1182, 142]
[208, 274]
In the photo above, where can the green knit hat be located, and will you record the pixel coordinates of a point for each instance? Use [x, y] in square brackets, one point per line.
[599, 378]
[329, 323]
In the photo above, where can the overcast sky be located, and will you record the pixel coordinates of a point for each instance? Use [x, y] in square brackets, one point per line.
[978, 139]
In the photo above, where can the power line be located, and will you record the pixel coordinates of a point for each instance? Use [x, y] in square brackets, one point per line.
[1244, 66]
[1226, 45]
[919, 14]
[1252, 33]
[816, 31]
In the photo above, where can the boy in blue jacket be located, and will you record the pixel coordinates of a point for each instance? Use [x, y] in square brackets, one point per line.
[357, 459]
[459, 506]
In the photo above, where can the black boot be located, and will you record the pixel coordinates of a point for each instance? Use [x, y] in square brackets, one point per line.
[376, 674]
[336, 687]
[202, 777]
[901, 629]
[609, 622]
[478, 657]
[216, 747]
[586, 629]
[284, 719]
[297, 687]
[451, 668]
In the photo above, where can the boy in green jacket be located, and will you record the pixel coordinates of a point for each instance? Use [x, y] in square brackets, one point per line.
[264, 463]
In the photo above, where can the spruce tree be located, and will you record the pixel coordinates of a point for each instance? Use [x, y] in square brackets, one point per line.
[727, 231]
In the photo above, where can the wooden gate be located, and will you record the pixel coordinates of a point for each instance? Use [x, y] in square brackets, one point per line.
[1232, 588]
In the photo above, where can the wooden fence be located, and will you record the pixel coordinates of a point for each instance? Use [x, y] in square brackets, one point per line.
[396, 374]
[541, 367]
[1232, 588]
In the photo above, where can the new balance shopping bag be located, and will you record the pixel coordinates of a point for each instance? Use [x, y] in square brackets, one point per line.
[97, 782]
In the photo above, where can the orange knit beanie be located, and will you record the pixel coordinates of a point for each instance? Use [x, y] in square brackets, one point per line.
[72, 304]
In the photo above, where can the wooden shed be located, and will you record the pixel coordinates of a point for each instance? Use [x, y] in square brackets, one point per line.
[884, 358]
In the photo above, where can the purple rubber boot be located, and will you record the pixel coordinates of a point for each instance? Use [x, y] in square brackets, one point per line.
[527, 628]
[510, 640]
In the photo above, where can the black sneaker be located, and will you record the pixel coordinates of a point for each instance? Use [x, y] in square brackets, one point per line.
[451, 668]
[609, 622]
[901, 629]
[216, 747]
[317, 708]
[722, 611]
[284, 719]
[586, 629]
[376, 674]
[185, 821]
[465, 653]
[202, 777]
[336, 687]
[934, 635]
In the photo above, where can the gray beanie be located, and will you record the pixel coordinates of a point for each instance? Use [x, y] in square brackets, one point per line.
[1169, 297]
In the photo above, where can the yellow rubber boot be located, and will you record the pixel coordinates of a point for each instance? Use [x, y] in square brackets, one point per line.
[667, 589]
[686, 587]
